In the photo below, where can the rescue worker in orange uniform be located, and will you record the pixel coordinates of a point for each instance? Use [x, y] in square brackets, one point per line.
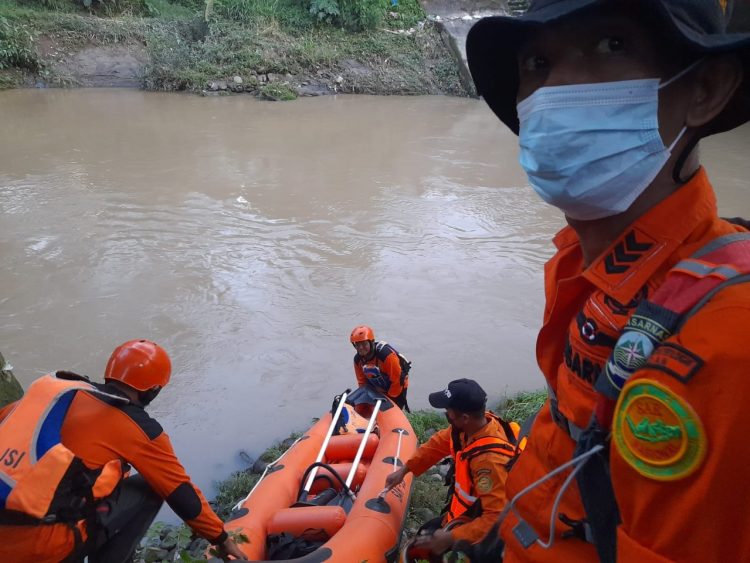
[380, 365]
[480, 444]
[610, 99]
[81, 432]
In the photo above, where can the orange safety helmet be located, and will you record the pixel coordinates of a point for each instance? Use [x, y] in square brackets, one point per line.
[361, 334]
[140, 364]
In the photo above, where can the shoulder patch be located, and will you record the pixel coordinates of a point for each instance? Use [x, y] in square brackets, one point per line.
[657, 432]
[484, 484]
[675, 360]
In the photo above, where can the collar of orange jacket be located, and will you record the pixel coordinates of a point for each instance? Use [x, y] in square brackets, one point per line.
[645, 245]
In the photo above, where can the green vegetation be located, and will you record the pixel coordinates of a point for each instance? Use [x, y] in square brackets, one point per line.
[521, 406]
[271, 48]
[277, 92]
[425, 421]
[16, 46]
[10, 388]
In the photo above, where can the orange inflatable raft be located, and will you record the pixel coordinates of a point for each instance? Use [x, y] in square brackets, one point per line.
[325, 491]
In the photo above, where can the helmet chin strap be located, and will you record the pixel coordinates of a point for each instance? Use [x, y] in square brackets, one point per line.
[145, 397]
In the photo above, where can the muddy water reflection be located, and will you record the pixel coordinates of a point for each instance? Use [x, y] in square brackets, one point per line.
[249, 238]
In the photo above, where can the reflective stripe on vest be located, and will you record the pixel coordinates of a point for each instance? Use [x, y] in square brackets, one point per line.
[462, 500]
[33, 461]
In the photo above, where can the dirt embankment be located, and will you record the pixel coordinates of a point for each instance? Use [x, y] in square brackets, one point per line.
[257, 57]
[118, 65]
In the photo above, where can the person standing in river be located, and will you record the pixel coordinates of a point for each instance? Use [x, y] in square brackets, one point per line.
[379, 364]
[65, 448]
[644, 332]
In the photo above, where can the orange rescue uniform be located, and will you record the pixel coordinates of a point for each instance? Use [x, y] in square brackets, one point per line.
[389, 365]
[97, 433]
[695, 516]
[487, 470]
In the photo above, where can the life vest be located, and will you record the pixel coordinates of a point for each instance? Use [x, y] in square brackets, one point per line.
[350, 422]
[687, 288]
[381, 352]
[41, 480]
[462, 500]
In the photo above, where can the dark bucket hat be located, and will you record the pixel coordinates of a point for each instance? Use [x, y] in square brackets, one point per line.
[493, 43]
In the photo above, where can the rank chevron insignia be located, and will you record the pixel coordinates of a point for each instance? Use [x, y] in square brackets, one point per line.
[625, 253]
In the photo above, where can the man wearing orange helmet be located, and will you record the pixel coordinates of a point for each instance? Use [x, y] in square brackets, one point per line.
[380, 365]
[68, 443]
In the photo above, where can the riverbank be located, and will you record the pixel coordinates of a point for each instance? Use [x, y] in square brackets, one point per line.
[274, 49]
[165, 542]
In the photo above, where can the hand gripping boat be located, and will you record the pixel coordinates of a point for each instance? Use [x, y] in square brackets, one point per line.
[324, 491]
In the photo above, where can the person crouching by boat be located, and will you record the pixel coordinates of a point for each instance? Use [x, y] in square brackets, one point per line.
[68, 444]
[481, 445]
[380, 365]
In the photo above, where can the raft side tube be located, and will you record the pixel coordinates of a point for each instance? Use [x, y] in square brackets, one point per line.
[345, 446]
[312, 522]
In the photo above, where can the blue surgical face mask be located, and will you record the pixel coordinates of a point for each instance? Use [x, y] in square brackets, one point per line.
[592, 149]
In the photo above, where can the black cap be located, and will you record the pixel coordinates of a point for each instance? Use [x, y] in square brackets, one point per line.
[464, 395]
[699, 25]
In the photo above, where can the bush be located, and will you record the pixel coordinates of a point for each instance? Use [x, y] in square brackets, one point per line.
[362, 15]
[325, 10]
[354, 15]
[16, 47]
[277, 92]
[288, 14]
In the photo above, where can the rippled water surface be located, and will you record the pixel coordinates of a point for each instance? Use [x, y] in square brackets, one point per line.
[249, 238]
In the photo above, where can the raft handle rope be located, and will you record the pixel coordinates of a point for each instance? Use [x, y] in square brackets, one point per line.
[578, 462]
[362, 445]
[269, 466]
[342, 400]
[581, 461]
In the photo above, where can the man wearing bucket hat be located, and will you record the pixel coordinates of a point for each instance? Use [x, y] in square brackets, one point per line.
[644, 329]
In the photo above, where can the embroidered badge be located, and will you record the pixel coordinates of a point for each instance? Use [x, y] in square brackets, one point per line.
[657, 433]
[633, 348]
[676, 361]
[484, 484]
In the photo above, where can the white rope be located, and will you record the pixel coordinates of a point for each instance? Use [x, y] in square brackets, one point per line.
[241, 502]
[579, 461]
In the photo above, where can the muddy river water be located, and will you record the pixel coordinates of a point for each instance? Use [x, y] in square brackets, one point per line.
[248, 238]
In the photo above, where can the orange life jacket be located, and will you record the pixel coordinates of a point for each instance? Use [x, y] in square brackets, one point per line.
[41, 480]
[462, 501]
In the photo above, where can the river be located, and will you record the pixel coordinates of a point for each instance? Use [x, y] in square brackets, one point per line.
[249, 238]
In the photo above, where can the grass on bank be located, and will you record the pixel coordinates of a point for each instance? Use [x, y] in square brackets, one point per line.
[397, 52]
